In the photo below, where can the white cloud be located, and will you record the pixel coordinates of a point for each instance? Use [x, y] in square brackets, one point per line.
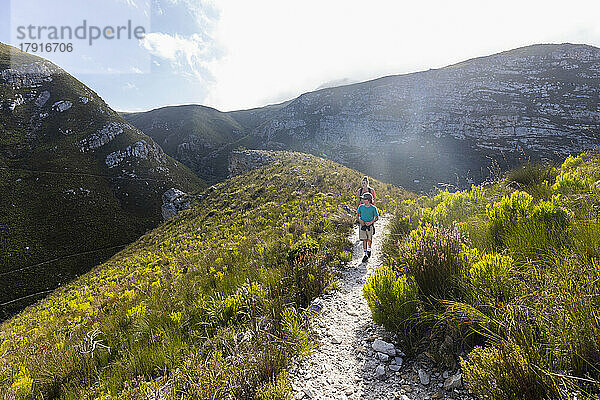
[188, 55]
[170, 47]
[273, 47]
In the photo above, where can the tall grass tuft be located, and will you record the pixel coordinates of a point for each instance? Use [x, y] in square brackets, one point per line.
[528, 176]
[504, 373]
[432, 255]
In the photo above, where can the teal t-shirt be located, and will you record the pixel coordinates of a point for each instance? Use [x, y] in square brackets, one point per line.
[367, 214]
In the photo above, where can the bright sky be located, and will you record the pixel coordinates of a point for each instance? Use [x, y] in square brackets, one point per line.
[232, 54]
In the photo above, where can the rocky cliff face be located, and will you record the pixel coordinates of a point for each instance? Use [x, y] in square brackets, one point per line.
[446, 125]
[77, 182]
[242, 161]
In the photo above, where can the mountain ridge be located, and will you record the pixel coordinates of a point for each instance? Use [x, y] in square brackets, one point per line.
[466, 120]
[77, 181]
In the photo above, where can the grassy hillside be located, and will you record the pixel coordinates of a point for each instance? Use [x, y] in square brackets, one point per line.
[77, 181]
[207, 305]
[506, 276]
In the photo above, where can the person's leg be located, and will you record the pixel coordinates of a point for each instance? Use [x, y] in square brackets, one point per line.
[365, 256]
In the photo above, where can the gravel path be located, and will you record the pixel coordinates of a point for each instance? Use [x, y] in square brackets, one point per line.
[346, 365]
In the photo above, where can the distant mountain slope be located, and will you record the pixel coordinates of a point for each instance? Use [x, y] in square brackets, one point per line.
[202, 137]
[189, 133]
[253, 117]
[445, 125]
[76, 181]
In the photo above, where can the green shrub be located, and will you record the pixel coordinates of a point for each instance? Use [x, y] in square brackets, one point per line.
[431, 254]
[302, 247]
[586, 239]
[234, 308]
[278, 388]
[570, 182]
[294, 331]
[345, 256]
[507, 213]
[392, 298]
[309, 274]
[513, 213]
[551, 214]
[321, 225]
[491, 276]
[398, 228]
[542, 232]
[503, 373]
[571, 162]
[455, 206]
[530, 175]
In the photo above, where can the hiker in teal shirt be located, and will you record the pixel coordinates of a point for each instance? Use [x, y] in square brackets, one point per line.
[367, 215]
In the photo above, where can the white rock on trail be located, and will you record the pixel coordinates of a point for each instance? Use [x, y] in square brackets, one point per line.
[380, 372]
[424, 377]
[453, 382]
[384, 347]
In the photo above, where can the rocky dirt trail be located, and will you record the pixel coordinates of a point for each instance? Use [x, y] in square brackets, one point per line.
[356, 359]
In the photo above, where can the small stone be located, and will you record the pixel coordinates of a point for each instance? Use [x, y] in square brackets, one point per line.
[398, 360]
[394, 368]
[437, 395]
[384, 347]
[446, 374]
[423, 377]
[383, 357]
[308, 393]
[380, 372]
[407, 388]
[453, 382]
[335, 340]
[316, 306]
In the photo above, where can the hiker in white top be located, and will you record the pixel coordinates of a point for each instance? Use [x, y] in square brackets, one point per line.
[364, 188]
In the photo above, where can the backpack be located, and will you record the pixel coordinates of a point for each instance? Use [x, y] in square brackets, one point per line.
[362, 191]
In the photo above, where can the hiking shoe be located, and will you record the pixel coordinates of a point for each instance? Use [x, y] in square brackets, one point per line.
[369, 253]
[365, 259]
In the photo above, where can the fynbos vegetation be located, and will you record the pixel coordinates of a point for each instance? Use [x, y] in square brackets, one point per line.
[208, 305]
[509, 270]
